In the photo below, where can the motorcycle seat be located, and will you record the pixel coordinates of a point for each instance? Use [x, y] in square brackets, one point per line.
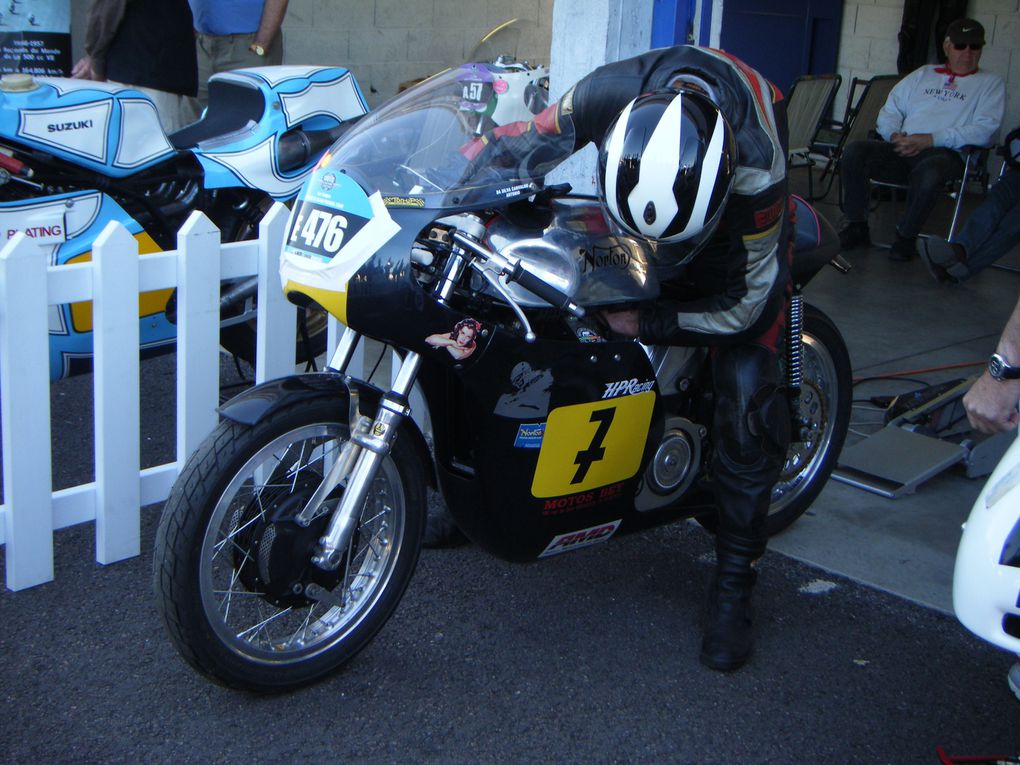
[233, 106]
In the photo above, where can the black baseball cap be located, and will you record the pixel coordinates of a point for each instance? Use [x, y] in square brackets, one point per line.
[966, 31]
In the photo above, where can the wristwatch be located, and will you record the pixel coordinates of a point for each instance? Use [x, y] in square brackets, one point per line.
[1000, 369]
[257, 49]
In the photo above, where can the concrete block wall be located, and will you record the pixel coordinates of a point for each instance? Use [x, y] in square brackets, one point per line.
[387, 42]
[869, 44]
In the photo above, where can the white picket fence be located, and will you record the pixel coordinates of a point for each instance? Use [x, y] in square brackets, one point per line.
[112, 281]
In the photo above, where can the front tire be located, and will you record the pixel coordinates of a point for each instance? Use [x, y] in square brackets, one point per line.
[232, 573]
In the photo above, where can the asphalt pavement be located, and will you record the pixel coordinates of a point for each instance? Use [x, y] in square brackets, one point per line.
[584, 658]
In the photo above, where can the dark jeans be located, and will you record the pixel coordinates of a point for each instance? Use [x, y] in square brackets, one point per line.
[925, 173]
[994, 226]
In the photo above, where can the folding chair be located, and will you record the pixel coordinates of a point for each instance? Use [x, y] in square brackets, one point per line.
[858, 123]
[808, 104]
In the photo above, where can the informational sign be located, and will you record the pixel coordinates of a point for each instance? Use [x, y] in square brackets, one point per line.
[35, 37]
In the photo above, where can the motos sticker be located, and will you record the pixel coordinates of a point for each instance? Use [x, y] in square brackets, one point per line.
[319, 231]
[594, 444]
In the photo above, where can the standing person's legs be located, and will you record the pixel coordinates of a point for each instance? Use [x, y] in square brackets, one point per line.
[751, 435]
[236, 53]
[205, 49]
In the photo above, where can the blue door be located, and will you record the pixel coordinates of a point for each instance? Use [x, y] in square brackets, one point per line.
[783, 39]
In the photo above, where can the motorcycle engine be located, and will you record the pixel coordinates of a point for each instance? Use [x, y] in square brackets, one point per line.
[674, 467]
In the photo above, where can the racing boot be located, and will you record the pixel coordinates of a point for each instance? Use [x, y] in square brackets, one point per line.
[728, 640]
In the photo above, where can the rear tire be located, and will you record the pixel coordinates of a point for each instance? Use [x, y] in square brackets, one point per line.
[824, 416]
[232, 573]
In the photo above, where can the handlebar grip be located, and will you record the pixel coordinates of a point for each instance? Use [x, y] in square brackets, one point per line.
[546, 291]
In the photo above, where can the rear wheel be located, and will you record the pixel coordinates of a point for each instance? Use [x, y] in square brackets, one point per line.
[822, 417]
[233, 575]
[823, 414]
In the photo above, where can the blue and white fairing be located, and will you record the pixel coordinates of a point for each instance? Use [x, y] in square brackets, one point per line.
[109, 129]
[278, 99]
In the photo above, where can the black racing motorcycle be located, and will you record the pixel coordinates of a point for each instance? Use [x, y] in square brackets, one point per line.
[293, 531]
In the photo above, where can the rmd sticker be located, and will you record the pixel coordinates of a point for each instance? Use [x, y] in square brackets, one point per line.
[575, 540]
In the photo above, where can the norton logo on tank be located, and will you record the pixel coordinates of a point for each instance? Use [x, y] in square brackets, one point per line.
[604, 257]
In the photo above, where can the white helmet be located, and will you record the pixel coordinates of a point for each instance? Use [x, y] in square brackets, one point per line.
[666, 168]
[986, 582]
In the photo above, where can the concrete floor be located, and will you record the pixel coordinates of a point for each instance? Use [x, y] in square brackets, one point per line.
[896, 318]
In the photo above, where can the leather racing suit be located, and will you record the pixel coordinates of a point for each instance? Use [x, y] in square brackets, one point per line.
[731, 296]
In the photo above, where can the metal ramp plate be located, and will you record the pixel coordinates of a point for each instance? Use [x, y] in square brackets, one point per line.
[895, 461]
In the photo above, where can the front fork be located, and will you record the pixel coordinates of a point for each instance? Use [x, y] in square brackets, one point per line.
[370, 441]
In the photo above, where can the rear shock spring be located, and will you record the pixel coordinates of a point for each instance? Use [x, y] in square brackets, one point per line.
[794, 342]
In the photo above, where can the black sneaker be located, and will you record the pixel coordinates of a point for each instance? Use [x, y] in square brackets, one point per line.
[903, 249]
[854, 235]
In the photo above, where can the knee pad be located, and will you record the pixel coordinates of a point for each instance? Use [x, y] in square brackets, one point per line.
[752, 414]
[769, 421]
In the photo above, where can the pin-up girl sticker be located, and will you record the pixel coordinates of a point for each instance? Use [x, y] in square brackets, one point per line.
[461, 342]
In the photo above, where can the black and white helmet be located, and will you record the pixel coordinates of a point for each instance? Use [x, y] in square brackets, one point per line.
[666, 168]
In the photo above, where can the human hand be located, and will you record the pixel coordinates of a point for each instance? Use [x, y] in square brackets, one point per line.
[82, 70]
[626, 322]
[991, 405]
[912, 144]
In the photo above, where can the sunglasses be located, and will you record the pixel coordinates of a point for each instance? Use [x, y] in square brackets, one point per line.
[964, 46]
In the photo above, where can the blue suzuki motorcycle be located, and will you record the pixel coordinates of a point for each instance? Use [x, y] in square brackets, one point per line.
[75, 155]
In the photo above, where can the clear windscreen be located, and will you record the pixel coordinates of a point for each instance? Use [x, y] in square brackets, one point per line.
[415, 147]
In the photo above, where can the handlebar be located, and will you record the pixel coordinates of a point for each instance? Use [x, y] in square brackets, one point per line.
[516, 272]
[544, 290]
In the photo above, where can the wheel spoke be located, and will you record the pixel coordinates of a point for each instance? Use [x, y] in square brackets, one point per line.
[255, 629]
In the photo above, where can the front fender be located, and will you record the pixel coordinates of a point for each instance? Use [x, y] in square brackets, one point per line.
[256, 404]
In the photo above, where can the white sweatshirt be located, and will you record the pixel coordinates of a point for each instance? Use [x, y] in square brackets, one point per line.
[958, 110]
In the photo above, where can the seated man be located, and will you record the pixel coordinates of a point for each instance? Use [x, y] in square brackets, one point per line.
[929, 116]
[991, 231]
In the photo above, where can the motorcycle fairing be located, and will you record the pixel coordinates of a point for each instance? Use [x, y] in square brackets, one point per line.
[333, 230]
[591, 475]
[109, 129]
[64, 226]
[277, 99]
[416, 146]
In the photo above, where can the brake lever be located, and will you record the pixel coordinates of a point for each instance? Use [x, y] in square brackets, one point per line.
[491, 272]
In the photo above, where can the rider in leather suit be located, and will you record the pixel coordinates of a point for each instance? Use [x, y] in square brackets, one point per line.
[726, 287]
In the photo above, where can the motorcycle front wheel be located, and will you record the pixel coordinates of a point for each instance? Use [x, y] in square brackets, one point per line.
[822, 416]
[232, 570]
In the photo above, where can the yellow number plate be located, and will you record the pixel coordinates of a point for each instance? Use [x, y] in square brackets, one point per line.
[593, 444]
